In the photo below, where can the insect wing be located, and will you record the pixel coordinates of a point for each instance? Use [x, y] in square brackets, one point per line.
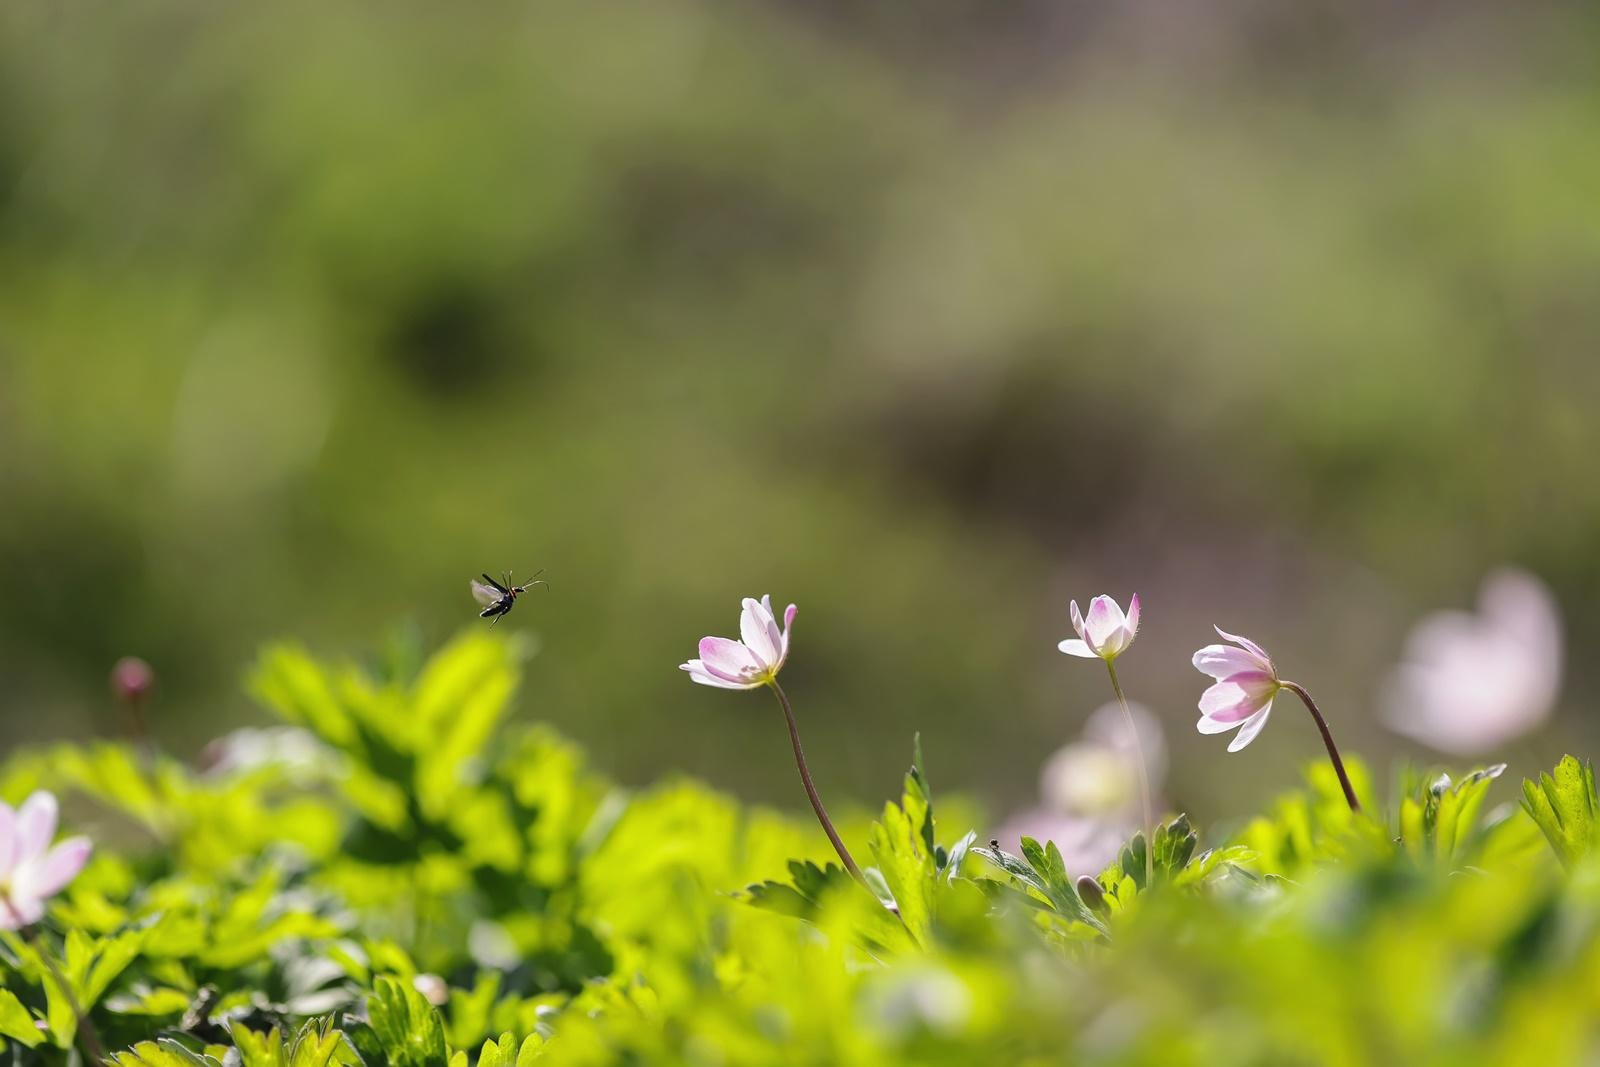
[486, 595]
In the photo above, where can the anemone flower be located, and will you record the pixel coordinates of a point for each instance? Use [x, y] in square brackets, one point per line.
[31, 871]
[1105, 632]
[1470, 682]
[751, 662]
[1241, 697]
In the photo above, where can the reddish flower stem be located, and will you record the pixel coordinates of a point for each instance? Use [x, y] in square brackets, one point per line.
[811, 789]
[1327, 739]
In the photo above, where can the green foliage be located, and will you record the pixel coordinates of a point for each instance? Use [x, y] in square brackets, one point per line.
[531, 911]
[1566, 807]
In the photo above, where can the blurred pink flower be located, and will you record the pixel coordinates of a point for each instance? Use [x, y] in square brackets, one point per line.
[1246, 683]
[751, 662]
[1089, 790]
[1468, 683]
[31, 872]
[1105, 632]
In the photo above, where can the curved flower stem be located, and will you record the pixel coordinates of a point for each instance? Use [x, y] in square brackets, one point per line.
[1327, 739]
[1144, 779]
[811, 789]
[86, 1032]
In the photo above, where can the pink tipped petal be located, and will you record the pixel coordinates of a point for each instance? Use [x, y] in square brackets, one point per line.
[1074, 647]
[788, 623]
[1102, 623]
[36, 826]
[760, 632]
[1077, 619]
[59, 866]
[1222, 661]
[728, 660]
[698, 673]
[1243, 642]
[1252, 726]
[1229, 702]
[1133, 618]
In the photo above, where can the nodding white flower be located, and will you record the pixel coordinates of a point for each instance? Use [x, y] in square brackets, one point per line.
[1105, 632]
[31, 872]
[751, 662]
[1246, 683]
[1469, 682]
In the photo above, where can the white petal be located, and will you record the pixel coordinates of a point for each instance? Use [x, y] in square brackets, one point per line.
[1221, 661]
[698, 673]
[46, 877]
[1073, 647]
[1252, 726]
[36, 826]
[1243, 642]
[1102, 624]
[760, 631]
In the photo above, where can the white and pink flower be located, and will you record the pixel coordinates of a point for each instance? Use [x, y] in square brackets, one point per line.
[31, 872]
[1105, 632]
[751, 662]
[1241, 698]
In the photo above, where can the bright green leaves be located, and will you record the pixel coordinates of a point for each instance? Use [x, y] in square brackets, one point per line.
[1438, 820]
[407, 747]
[504, 1053]
[409, 1031]
[1565, 806]
[1040, 878]
[313, 1046]
[165, 1052]
[906, 860]
[15, 1021]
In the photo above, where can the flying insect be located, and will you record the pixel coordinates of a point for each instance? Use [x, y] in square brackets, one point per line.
[498, 597]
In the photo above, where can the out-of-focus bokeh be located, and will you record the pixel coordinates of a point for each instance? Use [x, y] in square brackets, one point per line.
[926, 317]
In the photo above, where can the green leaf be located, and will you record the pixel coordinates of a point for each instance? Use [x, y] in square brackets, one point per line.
[410, 1030]
[16, 1022]
[1565, 806]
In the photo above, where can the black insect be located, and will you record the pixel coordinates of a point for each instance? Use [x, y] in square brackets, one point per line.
[497, 597]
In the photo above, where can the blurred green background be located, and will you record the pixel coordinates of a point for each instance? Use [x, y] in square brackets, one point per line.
[926, 317]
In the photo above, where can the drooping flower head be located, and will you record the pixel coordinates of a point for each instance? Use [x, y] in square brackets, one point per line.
[1471, 681]
[752, 661]
[1105, 632]
[31, 872]
[1241, 697]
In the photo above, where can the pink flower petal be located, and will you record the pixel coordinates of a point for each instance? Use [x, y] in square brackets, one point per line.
[1243, 642]
[8, 840]
[788, 623]
[1222, 661]
[1103, 623]
[1228, 702]
[36, 825]
[1073, 647]
[1077, 619]
[698, 673]
[1252, 726]
[760, 632]
[1208, 725]
[1133, 618]
[728, 660]
[58, 867]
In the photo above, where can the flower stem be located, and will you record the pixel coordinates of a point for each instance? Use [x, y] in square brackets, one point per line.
[1327, 739]
[1144, 778]
[811, 789]
[86, 1032]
